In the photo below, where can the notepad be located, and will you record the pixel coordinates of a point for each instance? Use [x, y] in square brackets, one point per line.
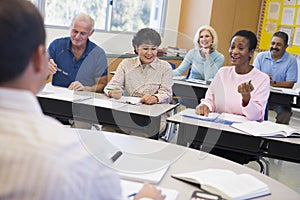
[196, 81]
[141, 169]
[151, 177]
[266, 128]
[129, 100]
[226, 183]
[179, 77]
[129, 187]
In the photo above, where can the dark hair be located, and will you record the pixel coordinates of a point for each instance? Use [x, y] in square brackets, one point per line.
[22, 31]
[249, 35]
[146, 35]
[283, 36]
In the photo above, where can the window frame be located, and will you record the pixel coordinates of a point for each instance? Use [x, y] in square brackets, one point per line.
[41, 5]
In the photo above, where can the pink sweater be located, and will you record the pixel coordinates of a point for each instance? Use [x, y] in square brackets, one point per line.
[222, 95]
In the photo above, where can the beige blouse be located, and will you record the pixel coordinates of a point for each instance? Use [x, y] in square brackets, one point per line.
[137, 80]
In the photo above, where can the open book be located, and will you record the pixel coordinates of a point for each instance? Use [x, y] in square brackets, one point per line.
[266, 128]
[226, 183]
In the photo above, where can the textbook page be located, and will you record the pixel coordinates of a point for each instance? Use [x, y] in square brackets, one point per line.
[129, 188]
[266, 128]
[226, 183]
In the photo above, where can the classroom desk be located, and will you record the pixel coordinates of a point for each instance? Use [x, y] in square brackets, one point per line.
[191, 92]
[100, 110]
[186, 160]
[194, 92]
[208, 135]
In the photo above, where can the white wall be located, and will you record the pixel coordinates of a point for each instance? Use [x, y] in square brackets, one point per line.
[121, 42]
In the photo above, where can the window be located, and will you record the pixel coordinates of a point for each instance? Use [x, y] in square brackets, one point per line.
[109, 15]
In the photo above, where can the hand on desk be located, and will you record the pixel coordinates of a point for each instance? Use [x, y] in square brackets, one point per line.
[149, 99]
[202, 110]
[77, 86]
[115, 92]
[149, 191]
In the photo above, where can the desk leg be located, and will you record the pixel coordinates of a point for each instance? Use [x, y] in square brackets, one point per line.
[184, 130]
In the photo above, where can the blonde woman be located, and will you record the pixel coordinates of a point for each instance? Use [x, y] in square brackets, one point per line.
[204, 59]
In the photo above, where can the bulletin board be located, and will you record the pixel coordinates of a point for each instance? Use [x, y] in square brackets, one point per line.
[280, 15]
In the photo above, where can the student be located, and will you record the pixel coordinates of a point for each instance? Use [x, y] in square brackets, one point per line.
[39, 160]
[282, 69]
[204, 59]
[75, 61]
[240, 89]
[144, 76]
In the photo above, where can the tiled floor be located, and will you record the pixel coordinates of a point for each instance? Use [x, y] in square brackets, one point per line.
[285, 172]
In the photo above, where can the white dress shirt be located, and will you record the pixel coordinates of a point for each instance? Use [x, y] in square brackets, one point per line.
[39, 160]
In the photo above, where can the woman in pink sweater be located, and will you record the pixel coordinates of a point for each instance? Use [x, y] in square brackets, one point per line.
[239, 89]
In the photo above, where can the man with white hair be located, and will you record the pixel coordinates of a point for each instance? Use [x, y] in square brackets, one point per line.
[75, 61]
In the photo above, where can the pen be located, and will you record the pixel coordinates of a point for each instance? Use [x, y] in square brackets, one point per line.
[116, 156]
[249, 82]
[131, 195]
[110, 88]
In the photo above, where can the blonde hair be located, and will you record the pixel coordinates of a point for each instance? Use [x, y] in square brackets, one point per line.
[213, 34]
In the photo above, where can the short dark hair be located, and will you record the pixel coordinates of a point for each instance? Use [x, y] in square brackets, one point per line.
[146, 35]
[282, 35]
[250, 36]
[22, 31]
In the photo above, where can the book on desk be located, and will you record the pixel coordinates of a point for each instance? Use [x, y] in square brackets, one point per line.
[266, 128]
[226, 183]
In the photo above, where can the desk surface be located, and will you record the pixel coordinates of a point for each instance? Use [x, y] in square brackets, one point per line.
[186, 161]
[265, 146]
[101, 100]
[98, 108]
